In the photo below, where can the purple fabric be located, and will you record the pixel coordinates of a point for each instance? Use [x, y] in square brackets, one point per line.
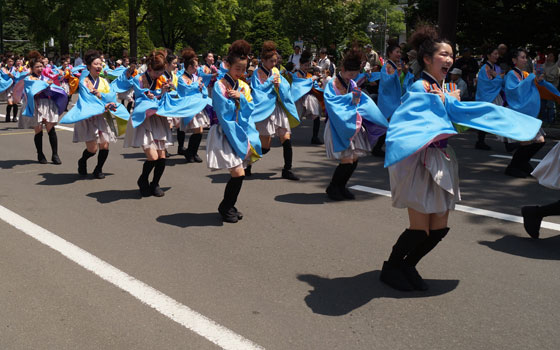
[439, 144]
[373, 131]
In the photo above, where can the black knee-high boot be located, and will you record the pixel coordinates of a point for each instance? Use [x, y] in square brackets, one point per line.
[516, 167]
[158, 172]
[101, 158]
[38, 139]
[143, 182]
[533, 216]
[393, 272]
[480, 143]
[288, 155]
[532, 149]
[376, 150]
[349, 170]
[82, 162]
[192, 149]
[15, 112]
[8, 112]
[334, 190]
[53, 140]
[416, 254]
[227, 206]
[180, 142]
[315, 140]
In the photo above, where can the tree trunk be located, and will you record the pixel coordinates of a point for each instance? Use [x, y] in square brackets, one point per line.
[132, 28]
[447, 19]
[63, 37]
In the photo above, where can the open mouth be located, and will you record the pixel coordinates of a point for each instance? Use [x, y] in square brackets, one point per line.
[445, 70]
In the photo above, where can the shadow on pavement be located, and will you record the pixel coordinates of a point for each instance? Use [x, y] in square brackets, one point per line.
[543, 249]
[303, 198]
[340, 296]
[10, 164]
[51, 179]
[133, 155]
[110, 196]
[185, 220]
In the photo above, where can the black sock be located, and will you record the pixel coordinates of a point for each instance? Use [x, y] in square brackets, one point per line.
[408, 240]
[338, 175]
[8, 111]
[288, 154]
[38, 139]
[519, 157]
[147, 169]
[101, 158]
[194, 143]
[158, 171]
[425, 246]
[180, 139]
[129, 106]
[87, 154]
[15, 111]
[481, 136]
[348, 171]
[265, 151]
[549, 209]
[231, 192]
[53, 140]
[316, 126]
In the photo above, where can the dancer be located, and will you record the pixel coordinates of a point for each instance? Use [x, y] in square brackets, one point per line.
[345, 138]
[423, 169]
[45, 102]
[93, 115]
[489, 87]
[307, 95]
[233, 143]
[390, 90]
[145, 128]
[8, 74]
[189, 105]
[523, 96]
[275, 113]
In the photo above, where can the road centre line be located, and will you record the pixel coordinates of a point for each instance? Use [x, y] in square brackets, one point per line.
[467, 209]
[155, 299]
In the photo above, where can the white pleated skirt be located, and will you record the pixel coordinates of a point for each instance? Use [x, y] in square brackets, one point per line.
[277, 124]
[153, 133]
[548, 170]
[97, 128]
[46, 111]
[7, 94]
[126, 96]
[308, 107]
[201, 120]
[219, 153]
[359, 145]
[427, 181]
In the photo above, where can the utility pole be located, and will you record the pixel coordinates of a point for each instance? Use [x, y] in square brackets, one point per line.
[447, 19]
[1, 26]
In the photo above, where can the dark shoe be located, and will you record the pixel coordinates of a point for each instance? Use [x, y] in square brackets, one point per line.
[483, 146]
[347, 194]
[55, 159]
[156, 191]
[515, 172]
[414, 278]
[181, 151]
[527, 168]
[316, 141]
[531, 221]
[378, 152]
[393, 275]
[229, 215]
[238, 213]
[287, 174]
[335, 193]
[144, 187]
[82, 166]
[98, 174]
[167, 155]
[197, 159]
[41, 158]
[189, 157]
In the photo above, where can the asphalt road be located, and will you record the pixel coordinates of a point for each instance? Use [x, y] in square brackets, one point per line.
[298, 272]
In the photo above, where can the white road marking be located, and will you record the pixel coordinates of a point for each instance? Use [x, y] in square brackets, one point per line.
[164, 304]
[509, 157]
[467, 209]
